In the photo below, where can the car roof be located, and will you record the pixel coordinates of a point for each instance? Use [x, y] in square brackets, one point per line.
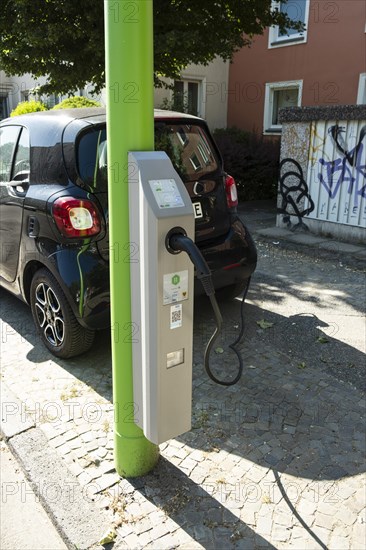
[91, 115]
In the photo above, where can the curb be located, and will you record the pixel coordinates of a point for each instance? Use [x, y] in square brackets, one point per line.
[314, 247]
[77, 519]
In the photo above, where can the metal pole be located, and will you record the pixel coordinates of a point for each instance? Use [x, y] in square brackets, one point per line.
[130, 127]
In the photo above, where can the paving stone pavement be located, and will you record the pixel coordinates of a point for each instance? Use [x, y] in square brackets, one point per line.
[276, 461]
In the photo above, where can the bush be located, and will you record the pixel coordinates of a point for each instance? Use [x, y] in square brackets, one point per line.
[76, 102]
[25, 107]
[252, 161]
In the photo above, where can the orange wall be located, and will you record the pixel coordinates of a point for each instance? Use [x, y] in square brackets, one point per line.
[329, 63]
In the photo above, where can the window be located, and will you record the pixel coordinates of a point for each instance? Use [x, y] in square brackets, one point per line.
[21, 162]
[278, 96]
[8, 140]
[187, 96]
[191, 155]
[361, 95]
[92, 158]
[297, 10]
[24, 95]
[4, 106]
[195, 162]
[51, 100]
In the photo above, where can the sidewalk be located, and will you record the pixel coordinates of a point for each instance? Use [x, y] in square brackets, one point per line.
[260, 217]
[275, 462]
[23, 522]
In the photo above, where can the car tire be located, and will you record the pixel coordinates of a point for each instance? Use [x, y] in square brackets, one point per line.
[228, 293]
[55, 321]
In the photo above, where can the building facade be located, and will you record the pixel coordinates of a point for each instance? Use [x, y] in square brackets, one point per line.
[323, 65]
[201, 91]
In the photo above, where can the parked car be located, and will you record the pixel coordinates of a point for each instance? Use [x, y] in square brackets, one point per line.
[54, 216]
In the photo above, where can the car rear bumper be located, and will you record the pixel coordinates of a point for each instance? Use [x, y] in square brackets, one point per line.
[232, 260]
[85, 277]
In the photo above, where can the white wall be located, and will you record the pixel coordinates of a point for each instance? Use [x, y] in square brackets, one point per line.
[15, 86]
[213, 80]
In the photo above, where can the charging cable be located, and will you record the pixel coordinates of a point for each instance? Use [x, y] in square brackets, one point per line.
[177, 241]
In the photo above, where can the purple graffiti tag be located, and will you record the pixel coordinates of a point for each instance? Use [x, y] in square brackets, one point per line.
[338, 172]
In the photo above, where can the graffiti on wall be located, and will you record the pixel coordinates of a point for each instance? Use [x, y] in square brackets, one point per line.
[294, 190]
[346, 170]
[336, 174]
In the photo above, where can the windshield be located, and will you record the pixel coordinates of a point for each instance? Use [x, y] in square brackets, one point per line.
[187, 145]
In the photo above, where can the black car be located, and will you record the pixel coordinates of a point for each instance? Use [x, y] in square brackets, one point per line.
[54, 216]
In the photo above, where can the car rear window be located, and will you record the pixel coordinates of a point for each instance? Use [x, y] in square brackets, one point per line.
[188, 146]
[92, 158]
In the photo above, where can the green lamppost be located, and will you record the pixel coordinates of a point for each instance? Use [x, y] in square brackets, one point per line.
[130, 127]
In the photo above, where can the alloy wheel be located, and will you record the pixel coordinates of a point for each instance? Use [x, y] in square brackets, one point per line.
[49, 314]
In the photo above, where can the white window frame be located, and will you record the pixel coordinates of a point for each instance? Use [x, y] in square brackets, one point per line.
[361, 92]
[276, 41]
[271, 87]
[201, 81]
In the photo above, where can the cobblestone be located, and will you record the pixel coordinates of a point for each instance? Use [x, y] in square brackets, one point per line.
[285, 443]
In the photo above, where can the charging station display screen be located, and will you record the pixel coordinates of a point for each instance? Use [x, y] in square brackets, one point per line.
[166, 193]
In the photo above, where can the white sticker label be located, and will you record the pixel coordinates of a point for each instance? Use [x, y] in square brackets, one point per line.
[176, 316]
[175, 287]
[197, 208]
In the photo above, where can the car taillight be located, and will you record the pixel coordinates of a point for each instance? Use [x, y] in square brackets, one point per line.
[231, 192]
[76, 217]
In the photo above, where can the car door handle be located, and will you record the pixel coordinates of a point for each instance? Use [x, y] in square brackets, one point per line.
[19, 188]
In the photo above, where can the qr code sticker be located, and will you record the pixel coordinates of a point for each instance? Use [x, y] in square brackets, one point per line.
[176, 316]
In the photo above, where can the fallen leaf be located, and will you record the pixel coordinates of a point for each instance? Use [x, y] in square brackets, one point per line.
[322, 340]
[301, 366]
[264, 324]
[108, 537]
[219, 350]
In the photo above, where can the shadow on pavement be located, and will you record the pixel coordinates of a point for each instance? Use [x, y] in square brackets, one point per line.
[191, 506]
[285, 412]
[286, 415]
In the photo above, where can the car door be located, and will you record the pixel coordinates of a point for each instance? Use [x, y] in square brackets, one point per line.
[14, 182]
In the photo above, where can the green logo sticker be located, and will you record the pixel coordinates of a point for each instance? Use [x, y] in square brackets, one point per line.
[175, 279]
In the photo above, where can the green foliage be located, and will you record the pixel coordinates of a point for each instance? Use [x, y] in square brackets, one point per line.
[26, 107]
[76, 102]
[177, 103]
[252, 160]
[64, 39]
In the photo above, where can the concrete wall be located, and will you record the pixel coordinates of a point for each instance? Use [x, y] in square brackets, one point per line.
[322, 184]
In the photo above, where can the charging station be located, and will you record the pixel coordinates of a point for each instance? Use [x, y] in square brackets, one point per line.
[152, 363]
[161, 297]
